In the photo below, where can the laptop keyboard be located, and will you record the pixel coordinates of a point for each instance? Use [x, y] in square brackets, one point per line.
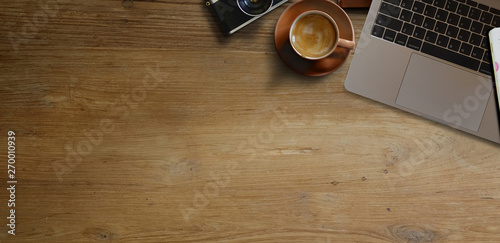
[452, 30]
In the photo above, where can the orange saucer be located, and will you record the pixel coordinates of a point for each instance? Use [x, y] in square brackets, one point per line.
[291, 58]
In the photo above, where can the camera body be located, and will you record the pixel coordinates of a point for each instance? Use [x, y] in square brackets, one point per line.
[236, 14]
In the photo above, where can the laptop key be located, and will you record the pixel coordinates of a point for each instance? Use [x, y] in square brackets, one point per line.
[417, 19]
[465, 49]
[441, 27]
[453, 19]
[439, 3]
[390, 10]
[483, 7]
[401, 39]
[454, 45]
[476, 27]
[389, 22]
[450, 56]
[408, 29]
[419, 33]
[427, 1]
[452, 31]
[494, 11]
[477, 53]
[464, 35]
[429, 23]
[472, 3]
[496, 21]
[451, 6]
[430, 11]
[408, 4]
[418, 7]
[464, 23]
[390, 35]
[431, 37]
[406, 15]
[487, 57]
[378, 31]
[475, 39]
[414, 44]
[475, 13]
[463, 9]
[485, 43]
[486, 68]
[486, 18]
[442, 41]
[442, 15]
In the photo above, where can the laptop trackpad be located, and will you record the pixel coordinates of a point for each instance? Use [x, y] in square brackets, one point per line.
[444, 93]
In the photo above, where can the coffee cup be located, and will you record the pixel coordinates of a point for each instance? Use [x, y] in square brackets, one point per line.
[315, 35]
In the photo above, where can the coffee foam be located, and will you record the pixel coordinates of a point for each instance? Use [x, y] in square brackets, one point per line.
[313, 35]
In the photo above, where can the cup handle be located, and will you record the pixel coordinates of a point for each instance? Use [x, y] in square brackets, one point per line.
[346, 44]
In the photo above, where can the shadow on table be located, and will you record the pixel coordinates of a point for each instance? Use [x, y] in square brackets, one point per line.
[282, 74]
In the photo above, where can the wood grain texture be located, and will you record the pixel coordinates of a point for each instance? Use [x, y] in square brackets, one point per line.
[140, 122]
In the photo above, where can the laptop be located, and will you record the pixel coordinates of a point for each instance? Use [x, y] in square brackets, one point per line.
[430, 58]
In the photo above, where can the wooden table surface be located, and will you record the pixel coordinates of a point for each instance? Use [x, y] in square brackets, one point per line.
[141, 122]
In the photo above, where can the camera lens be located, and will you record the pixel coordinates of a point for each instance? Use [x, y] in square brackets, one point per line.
[255, 7]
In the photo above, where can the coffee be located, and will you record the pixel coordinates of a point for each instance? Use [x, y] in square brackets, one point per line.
[313, 35]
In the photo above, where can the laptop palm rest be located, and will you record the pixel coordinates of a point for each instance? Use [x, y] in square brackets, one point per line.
[451, 96]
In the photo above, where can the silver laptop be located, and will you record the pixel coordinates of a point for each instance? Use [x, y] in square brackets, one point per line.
[430, 58]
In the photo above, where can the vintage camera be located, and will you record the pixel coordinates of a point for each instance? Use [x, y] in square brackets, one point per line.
[236, 14]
